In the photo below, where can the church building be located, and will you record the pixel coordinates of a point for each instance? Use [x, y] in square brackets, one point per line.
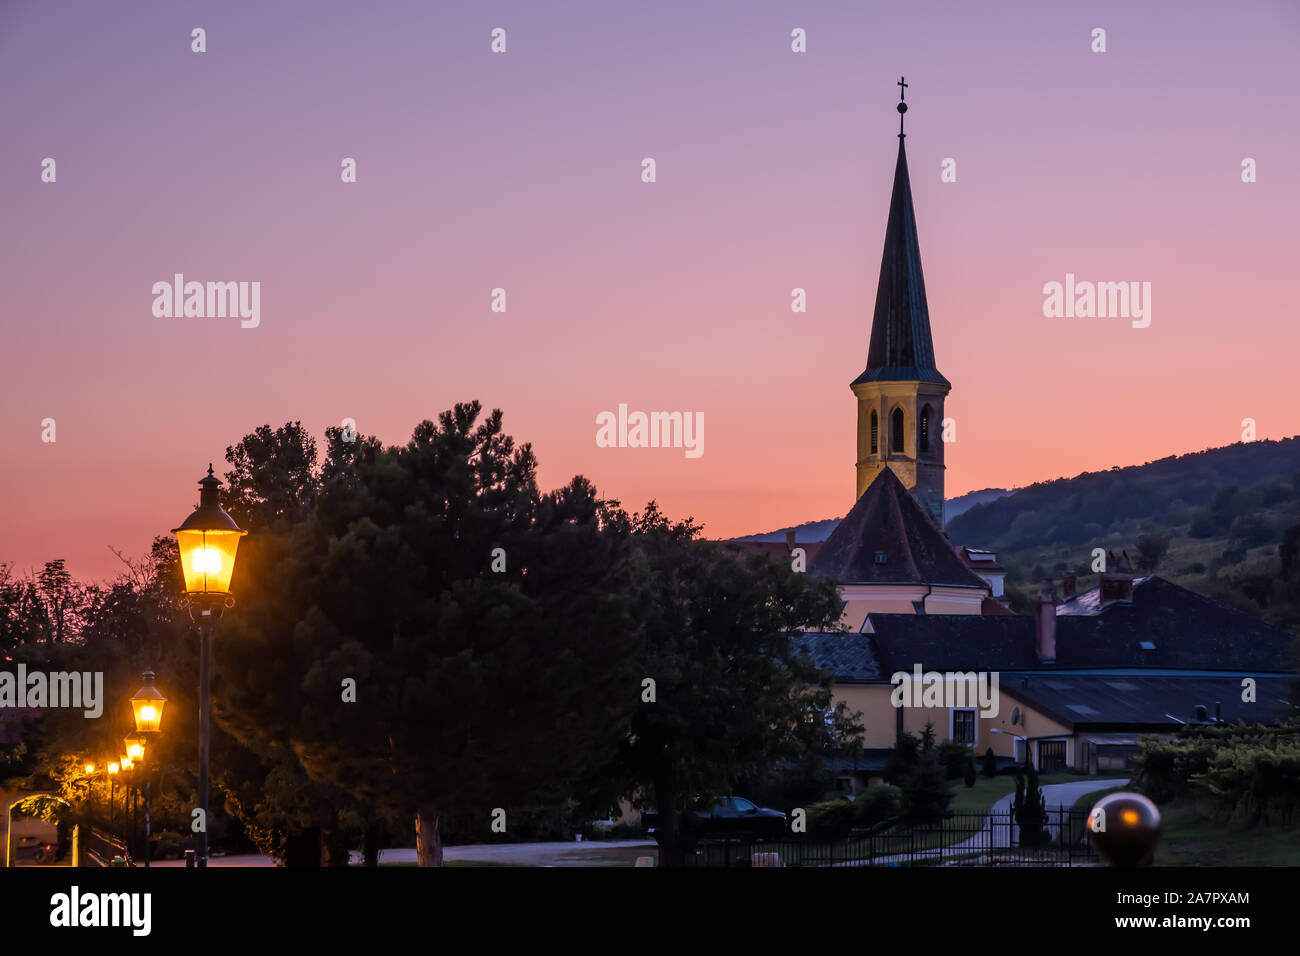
[1080, 680]
[890, 554]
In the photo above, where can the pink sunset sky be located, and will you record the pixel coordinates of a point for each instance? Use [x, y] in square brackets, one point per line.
[523, 171]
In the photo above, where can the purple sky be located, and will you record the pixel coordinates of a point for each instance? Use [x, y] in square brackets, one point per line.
[522, 171]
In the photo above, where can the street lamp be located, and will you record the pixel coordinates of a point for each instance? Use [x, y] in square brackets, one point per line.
[147, 706]
[113, 770]
[135, 744]
[208, 541]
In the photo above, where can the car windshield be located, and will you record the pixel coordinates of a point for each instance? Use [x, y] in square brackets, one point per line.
[743, 805]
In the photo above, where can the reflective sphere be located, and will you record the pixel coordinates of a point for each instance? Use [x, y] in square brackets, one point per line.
[1125, 828]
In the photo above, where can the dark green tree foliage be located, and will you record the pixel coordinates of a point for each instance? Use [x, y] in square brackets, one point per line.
[990, 763]
[1062, 511]
[1242, 772]
[907, 750]
[970, 772]
[475, 689]
[1151, 549]
[954, 756]
[925, 793]
[1030, 808]
[927, 736]
[879, 803]
[830, 820]
[729, 693]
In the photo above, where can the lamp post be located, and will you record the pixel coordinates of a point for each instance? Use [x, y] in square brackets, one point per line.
[113, 769]
[147, 706]
[208, 541]
[90, 788]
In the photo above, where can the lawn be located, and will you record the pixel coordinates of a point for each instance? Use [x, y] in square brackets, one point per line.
[1191, 841]
[987, 790]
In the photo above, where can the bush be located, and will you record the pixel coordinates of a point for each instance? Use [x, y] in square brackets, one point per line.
[953, 757]
[925, 796]
[877, 804]
[830, 820]
[903, 761]
[970, 771]
[990, 763]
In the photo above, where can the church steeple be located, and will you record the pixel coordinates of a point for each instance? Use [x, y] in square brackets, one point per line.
[900, 394]
[901, 348]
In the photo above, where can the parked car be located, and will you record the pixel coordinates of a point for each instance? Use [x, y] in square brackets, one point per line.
[728, 815]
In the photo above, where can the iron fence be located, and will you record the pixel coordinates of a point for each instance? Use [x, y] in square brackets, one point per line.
[960, 839]
[101, 849]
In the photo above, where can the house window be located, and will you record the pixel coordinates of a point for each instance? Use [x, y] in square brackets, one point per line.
[963, 727]
[1051, 755]
[875, 433]
[896, 440]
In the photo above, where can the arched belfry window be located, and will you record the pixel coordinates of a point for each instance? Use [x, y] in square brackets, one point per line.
[923, 429]
[896, 439]
[875, 433]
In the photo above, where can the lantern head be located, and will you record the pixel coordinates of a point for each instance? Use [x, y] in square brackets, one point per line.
[208, 541]
[147, 704]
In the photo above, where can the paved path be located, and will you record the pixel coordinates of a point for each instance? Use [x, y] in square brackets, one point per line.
[1058, 795]
[587, 853]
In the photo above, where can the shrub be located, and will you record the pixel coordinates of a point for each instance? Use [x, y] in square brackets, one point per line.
[970, 771]
[901, 763]
[830, 820]
[953, 756]
[1030, 808]
[925, 796]
[878, 803]
[990, 763]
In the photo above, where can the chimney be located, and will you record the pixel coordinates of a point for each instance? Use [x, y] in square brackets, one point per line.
[1045, 623]
[1068, 581]
[789, 540]
[1116, 582]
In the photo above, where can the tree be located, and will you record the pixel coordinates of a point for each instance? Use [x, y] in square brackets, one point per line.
[730, 696]
[1030, 807]
[926, 796]
[970, 772]
[433, 635]
[272, 475]
[1151, 549]
[990, 763]
[902, 761]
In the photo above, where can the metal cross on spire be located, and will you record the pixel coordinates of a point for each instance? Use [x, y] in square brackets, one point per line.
[902, 105]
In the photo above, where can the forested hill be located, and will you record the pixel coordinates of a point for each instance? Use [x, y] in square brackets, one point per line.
[821, 530]
[1094, 504]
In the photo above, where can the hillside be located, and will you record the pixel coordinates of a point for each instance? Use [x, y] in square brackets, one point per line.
[1224, 523]
[1091, 505]
[821, 530]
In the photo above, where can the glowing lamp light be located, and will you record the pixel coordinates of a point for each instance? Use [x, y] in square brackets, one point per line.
[90, 768]
[208, 541]
[147, 704]
[113, 768]
[135, 746]
[127, 763]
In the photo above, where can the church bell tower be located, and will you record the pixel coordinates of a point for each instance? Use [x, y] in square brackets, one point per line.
[900, 394]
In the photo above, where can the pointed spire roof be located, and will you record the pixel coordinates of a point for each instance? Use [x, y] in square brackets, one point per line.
[887, 521]
[901, 349]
